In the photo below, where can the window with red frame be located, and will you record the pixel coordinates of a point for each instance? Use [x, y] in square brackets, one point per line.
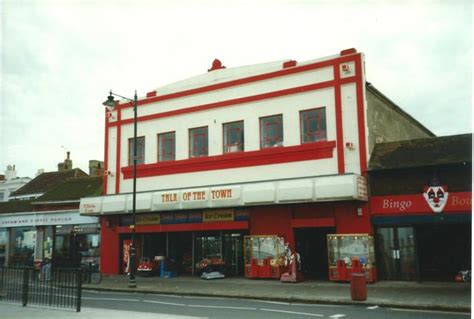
[166, 147]
[313, 125]
[198, 142]
[140, 150]
[233, 137]
[271, 131]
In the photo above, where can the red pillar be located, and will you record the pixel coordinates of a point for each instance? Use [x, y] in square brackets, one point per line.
[109, 248]
[348, 221]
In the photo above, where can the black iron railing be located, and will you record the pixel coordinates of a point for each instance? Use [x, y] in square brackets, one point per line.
[54, 287]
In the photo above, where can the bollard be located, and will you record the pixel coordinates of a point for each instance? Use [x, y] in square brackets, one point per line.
[358, 287]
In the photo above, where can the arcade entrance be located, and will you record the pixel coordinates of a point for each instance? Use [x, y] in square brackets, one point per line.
[311, 244]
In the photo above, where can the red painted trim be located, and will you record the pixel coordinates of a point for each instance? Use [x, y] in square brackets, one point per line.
[119, 143]
[289, 64]
[151, 94]
[106, 154]
[361, 115]
[313, 222]
[186, 227]
[339, 127]
[242, 81]
[268, 156]
[241, 100]
[348, 51]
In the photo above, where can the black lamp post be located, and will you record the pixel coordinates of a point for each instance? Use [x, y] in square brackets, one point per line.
[111, 104]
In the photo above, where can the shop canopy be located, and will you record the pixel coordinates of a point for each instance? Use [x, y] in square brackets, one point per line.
[300, 190]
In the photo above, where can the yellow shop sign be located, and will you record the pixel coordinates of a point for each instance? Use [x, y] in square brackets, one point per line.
[148, 219]
[218, 215]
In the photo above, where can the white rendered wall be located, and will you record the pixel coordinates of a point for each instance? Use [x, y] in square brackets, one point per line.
[233, 175]
[112, 155]
[289, 106]
[350, 128]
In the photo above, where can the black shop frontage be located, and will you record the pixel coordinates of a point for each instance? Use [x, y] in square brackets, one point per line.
[421, 208]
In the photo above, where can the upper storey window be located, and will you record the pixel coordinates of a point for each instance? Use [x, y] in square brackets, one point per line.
[313, 125]
[271, 131]
[166, 147]
[140, 150]
[198, 142]
[233, 137]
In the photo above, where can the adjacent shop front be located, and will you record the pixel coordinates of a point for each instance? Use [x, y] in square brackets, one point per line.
[421, 207]
[423, 236]
[64, 237]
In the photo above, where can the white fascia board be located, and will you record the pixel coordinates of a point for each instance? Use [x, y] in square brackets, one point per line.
[299, 190]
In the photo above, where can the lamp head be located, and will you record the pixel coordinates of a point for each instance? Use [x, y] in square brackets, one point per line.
[110, 103]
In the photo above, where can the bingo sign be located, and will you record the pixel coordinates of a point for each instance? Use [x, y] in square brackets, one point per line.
[460, 202]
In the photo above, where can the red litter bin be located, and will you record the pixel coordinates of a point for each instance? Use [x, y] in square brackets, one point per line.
[358, 287]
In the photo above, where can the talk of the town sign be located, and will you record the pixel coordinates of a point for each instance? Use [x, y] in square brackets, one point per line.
[329, 188]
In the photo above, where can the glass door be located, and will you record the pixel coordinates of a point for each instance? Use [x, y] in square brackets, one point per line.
[406, 255]
[233, 253]
[396, 253]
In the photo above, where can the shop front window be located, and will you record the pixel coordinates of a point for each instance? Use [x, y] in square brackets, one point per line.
[219, 248]
[62, 247]
[76, 244]
[23, 247]
[208, 246]
[3, 245]
[48, 243]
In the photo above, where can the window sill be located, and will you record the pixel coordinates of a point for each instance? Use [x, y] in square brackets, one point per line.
[266, 156]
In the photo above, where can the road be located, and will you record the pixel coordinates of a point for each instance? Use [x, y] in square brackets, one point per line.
[207, 307]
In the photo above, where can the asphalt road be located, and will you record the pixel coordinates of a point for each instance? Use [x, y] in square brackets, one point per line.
[207, 307]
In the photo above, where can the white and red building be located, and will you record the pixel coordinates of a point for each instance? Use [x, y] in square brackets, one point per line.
[280, 148]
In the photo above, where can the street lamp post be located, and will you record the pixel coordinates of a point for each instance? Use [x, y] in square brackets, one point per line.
[111, 104]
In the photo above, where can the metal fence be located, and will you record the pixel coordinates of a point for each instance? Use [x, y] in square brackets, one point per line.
[54, 287]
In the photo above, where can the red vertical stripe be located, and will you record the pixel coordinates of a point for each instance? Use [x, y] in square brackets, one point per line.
[361, 114]
[339, 130]
[117, 163]
[106, 154]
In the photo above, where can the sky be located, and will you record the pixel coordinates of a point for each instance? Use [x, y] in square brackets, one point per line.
[61, 58]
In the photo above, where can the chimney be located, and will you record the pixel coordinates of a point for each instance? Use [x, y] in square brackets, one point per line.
[96, 168]
[10, 173]
[40, 171]
[67, 164]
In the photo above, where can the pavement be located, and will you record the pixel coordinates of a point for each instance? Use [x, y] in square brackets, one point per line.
[442, 296]
[16, 311]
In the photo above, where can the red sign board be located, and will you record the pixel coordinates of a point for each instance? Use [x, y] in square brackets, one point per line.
[416, 204]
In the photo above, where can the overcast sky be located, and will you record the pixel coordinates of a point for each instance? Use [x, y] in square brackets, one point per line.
[60, 59]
